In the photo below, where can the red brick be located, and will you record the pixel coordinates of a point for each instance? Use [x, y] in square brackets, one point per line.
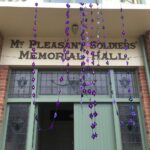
[3, 87]
[145, 100]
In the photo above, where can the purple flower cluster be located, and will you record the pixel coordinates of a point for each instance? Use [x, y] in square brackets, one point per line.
[93, 125]
[92, 104]
[57, 106]
[94, 135]
[93, 115]
[131, 122]
[61, 79]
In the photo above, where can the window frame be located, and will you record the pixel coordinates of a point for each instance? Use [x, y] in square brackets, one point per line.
[75, 99]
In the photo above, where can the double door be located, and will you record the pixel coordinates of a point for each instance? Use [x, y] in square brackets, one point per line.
[72, 129]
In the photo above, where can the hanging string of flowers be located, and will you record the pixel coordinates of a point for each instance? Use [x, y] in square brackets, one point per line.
[33, 62]
[83, 49]
[82, 38]
[64, 59]
[57, 104]
[104, 31]
[123, 34]
[98, 19]
[61, 79]
[34, 52]
[87, 73]
[92, 103]
[92, 32]
[67, 33]
[67, 38]
[101, 23]
[131, 121]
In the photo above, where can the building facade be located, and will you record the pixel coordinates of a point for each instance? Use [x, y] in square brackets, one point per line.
[25, 125]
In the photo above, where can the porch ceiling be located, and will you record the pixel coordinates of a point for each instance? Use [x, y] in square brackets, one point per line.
[18, 22]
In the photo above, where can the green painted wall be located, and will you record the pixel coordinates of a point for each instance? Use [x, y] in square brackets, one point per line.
[105, 128]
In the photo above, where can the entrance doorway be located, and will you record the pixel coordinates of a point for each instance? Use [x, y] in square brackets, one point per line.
[61, 136]
[72, 127]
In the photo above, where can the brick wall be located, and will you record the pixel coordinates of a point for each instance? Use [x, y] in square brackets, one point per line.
[3, 88]
[144, 87]
[145, 100]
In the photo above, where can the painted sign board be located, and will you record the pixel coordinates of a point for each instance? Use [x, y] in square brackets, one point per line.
[49, 52]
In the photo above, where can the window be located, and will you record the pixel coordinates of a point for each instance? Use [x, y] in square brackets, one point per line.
[17, 127]
[126, 84]
[49, 83]
[20, 84]
[131, 136]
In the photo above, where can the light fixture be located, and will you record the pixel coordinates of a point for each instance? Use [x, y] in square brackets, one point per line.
[75, 28]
